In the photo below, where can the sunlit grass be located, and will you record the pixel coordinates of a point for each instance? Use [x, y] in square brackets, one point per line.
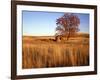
[45, 53]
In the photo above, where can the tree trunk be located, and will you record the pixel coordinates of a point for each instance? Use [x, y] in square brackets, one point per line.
[68, 36]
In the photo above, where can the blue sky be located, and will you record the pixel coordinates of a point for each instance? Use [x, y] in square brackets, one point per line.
[44, 23]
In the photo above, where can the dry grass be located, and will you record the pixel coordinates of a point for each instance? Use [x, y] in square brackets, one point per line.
[43, 53]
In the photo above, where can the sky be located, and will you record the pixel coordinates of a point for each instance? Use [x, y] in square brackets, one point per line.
[44, 23]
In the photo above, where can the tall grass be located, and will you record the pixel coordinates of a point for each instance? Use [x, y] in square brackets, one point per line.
[43, 55]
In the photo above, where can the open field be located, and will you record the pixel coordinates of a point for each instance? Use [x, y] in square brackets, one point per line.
[44, 51]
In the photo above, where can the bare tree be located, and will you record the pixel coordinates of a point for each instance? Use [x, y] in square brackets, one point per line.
[67, 25]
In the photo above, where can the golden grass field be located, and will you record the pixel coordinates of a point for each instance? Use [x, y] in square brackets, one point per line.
[44, 52]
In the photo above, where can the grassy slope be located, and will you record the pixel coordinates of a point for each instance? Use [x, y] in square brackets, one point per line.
[41, 52]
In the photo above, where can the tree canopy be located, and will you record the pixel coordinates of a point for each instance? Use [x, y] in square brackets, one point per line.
[67, 25]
